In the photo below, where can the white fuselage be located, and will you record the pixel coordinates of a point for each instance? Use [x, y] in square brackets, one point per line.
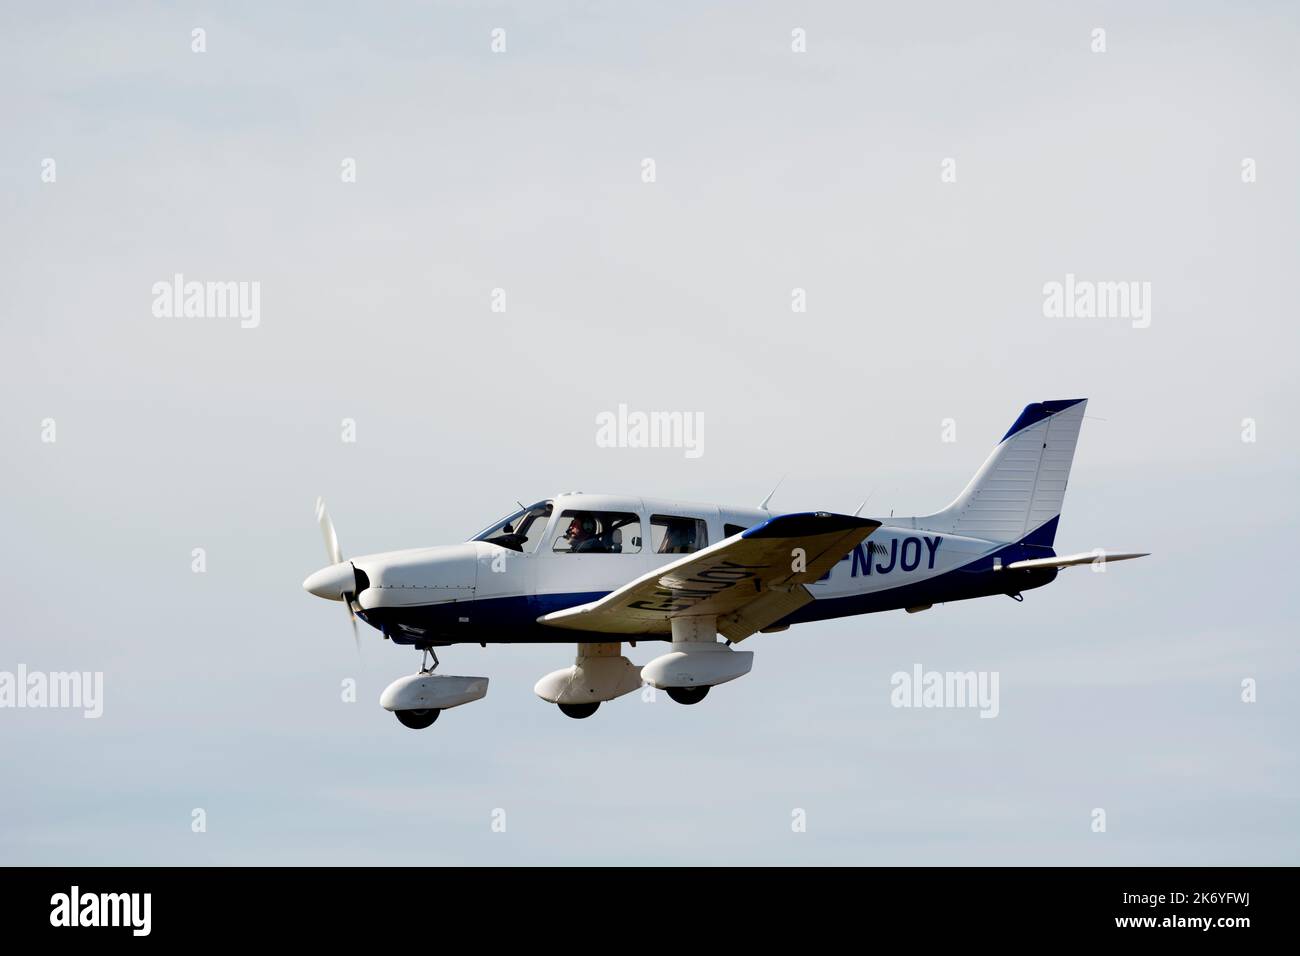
[481, 591]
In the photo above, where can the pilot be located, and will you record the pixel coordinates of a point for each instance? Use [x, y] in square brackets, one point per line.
[582, 535]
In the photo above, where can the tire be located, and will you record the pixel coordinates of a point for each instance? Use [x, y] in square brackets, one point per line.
[416, 719]
[579, 711]
[688, 695]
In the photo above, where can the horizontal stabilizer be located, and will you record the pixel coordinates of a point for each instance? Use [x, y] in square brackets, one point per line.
[1070, 560]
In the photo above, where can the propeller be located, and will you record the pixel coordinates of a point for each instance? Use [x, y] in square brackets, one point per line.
[335, 554]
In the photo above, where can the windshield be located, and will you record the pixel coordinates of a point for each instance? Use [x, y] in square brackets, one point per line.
[521, 531]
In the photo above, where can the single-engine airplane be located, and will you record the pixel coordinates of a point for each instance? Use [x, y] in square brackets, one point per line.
[601, 570]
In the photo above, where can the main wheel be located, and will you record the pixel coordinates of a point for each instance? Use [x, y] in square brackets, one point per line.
[579, 711]
[417, 719]
[689, 695]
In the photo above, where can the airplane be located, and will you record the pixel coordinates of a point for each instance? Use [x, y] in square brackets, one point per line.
[601, 570]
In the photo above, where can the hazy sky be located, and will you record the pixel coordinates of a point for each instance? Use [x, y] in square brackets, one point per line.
[522, 171]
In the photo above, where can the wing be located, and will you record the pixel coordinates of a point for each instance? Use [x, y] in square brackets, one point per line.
[748, 581]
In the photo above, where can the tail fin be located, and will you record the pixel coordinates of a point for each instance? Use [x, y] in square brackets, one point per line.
[1019, 490]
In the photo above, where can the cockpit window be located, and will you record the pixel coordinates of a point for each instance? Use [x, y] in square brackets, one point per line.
[598, 532]
[521, 531]
[673, 535]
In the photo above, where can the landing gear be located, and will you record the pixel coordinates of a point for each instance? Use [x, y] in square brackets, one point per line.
[578, 711]
[600, 672]
[419, 719]
[697, 661]
[417, 700]
[688, 695]
[416, 719]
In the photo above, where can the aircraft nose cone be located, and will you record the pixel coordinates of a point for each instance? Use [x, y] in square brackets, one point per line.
[331, 583]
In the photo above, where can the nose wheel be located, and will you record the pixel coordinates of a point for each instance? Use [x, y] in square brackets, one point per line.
[420, 719]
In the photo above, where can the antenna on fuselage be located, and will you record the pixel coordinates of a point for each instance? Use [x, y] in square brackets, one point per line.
[763, 506]
[857, 512]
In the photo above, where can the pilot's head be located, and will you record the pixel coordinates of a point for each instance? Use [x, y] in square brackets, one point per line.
[581, 528]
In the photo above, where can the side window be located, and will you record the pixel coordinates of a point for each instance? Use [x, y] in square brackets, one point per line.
[731, 530]
[598, 532]
[673, 535]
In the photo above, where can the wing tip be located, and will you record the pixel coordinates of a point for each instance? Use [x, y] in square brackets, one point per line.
[802, 524]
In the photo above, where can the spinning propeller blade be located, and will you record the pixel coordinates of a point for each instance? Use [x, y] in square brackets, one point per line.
[335, 554]
[327, 529]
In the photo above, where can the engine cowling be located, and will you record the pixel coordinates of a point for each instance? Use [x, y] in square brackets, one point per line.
[697, 664]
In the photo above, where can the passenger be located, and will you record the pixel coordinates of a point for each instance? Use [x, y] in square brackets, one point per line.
[679, 538]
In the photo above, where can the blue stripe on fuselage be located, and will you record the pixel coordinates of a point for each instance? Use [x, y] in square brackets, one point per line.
[506, 620]
[974, 579]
